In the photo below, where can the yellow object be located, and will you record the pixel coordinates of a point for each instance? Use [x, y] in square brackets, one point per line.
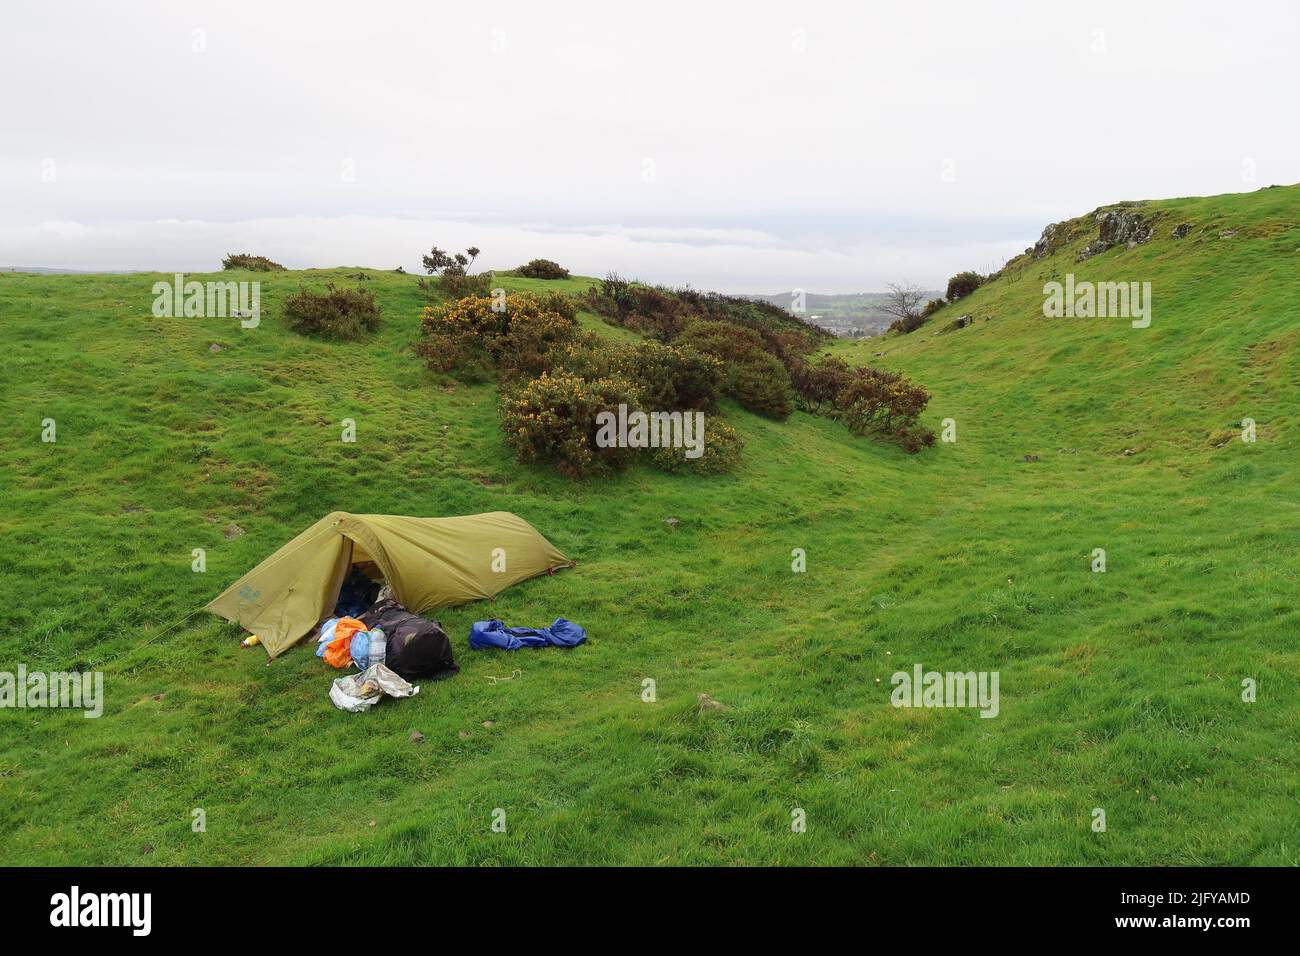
[251, 641]
[428, 562]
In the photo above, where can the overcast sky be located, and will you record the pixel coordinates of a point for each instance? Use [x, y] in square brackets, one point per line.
[750, 147]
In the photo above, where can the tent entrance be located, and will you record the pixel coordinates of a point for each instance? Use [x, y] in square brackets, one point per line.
[358, 581]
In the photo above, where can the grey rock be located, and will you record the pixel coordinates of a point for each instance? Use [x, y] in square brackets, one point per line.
[1181, 230]
[1044, 246]
[1116, 227]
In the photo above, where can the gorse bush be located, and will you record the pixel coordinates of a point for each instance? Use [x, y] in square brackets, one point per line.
[886, 405]
[722, 451]
[933, 306]
[818, 384]
[909, 324]
[243, 260]
[552, 419]
[669, 377]
[641, 308]
[558, 376]
[475, 337]
[542, 269]
[752, 375]
[869, 402]
[349, 314]
[963, 284]
[457, 285]
[664, 312]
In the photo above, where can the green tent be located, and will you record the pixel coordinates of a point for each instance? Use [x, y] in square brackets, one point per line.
[429, 562]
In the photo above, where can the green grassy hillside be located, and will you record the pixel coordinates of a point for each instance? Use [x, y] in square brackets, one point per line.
[1119, 690]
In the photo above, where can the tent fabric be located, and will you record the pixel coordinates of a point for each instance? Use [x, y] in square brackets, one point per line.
[428, 562]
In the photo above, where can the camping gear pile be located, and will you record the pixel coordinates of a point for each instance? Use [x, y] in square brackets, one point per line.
[327, 581]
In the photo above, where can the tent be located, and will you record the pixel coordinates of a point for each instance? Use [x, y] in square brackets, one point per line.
[429, 562]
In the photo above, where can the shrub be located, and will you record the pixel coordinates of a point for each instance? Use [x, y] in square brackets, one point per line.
[336, 314]
[818, 384]
[762, 385]
[552, 418]
[885, 404]
[753, 376]
[243, 260]
[457, 285]
[670, 377]
[963, 284]
[586, 354]
[451, 273]
[438, 262]
[909, 324]
[722, 448]
[640, 307]
[933, 306]
[470, 338]
[542, 269]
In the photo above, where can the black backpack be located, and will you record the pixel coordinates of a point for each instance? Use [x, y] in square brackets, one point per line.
[415, 647]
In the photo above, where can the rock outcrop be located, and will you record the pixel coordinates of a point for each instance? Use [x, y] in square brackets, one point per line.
[1118, 226]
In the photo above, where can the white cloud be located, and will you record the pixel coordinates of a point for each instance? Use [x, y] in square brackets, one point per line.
[806, 138]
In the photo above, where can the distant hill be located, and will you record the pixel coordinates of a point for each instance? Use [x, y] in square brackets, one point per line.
[848, 315]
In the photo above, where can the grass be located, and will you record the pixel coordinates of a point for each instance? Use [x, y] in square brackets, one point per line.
[1119, 690]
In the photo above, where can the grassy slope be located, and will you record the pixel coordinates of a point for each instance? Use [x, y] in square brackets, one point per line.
[1118, 690]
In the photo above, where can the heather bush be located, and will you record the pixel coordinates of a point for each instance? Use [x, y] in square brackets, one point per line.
[335, 314]
[243, 260]
[722, 449]
[552, 418]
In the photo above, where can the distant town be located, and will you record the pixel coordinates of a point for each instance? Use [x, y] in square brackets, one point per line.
[853, 315]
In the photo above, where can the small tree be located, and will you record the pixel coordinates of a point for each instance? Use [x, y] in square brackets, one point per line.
[903, 302]
[438, 262]
[451, 273]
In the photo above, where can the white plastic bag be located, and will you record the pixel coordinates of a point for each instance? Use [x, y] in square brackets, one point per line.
[362, 691]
